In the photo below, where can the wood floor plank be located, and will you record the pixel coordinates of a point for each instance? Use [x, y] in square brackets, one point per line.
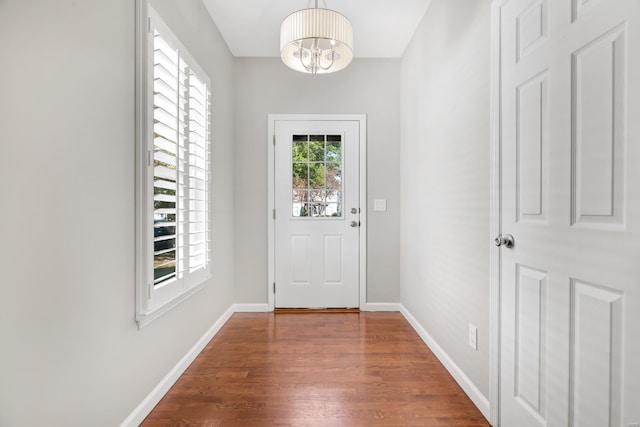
[317, 369]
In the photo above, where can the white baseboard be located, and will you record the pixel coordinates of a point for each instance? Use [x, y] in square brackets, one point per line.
[382, 306]
[250, 308]
[481, 402]
[152, 399]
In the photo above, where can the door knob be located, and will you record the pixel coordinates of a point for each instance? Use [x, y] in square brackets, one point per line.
[355, 223]
[354, 210]
[506, 240]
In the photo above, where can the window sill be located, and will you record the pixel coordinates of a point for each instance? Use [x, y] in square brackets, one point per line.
[145, 319]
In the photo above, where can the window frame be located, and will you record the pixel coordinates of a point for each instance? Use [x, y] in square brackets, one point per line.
[325, 188]
[152, 301]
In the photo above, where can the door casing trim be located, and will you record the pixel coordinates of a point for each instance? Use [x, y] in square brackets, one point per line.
[495, 223]
[362, 267]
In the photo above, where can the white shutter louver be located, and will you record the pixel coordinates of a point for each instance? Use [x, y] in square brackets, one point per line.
[198, 173]
[173, 126]
[165, 159]
[181, 161]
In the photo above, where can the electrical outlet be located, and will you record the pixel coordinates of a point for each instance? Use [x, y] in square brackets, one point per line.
[473, 336]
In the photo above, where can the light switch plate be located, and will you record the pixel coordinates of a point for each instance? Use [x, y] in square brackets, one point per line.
[473, 336]
[380, 205]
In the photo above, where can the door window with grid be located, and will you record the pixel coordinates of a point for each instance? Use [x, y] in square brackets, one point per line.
[316, 176]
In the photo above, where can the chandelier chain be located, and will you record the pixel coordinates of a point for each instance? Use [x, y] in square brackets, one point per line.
[316, 4]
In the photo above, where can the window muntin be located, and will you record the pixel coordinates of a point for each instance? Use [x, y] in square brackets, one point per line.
[316, 165]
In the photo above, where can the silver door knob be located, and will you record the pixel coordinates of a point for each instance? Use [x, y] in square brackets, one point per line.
[354, 210]
[506, 240]
[355, 223]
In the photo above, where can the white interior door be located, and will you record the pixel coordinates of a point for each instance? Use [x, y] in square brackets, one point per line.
[570, 193]
[317, 218]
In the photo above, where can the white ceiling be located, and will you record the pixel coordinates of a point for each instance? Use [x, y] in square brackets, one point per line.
[381, 28]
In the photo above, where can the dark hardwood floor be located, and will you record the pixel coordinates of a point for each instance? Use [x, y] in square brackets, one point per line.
[320, 370]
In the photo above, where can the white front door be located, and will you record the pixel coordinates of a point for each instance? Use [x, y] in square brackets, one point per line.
[317, 214]
[570, 197]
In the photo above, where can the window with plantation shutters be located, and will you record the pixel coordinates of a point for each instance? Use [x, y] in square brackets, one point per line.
[174, 252]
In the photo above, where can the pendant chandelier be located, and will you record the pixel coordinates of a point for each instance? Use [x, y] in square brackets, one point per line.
[316, 41]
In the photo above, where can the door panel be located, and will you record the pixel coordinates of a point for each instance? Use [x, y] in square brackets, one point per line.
[532, 28]
[333, 260]
[570, 196]
[300, 259]
[531, 333]
[599, 123]
[532, 131]
[596, 354]
[317, 199]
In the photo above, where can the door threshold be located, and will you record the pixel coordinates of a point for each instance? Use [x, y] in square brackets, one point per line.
[315, 310]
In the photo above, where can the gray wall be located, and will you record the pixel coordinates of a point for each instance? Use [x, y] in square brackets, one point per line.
[264, 86]
[71, 353]
[445, 180]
